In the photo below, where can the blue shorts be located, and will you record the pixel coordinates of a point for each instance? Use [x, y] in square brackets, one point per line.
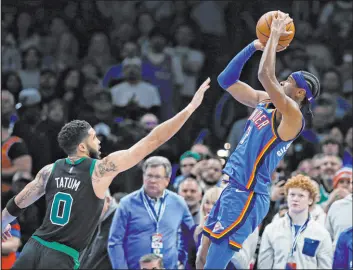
[235, 215]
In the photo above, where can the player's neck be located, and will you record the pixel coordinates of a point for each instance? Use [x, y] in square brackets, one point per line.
[77, 157]
[299, 218]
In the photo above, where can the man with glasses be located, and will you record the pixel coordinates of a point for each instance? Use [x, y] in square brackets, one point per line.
[147, 221]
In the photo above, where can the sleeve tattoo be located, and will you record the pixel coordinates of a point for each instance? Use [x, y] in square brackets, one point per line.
[35, 189]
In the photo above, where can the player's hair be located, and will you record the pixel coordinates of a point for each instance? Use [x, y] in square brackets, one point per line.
[72, 134]
[156, 161]
[314, 85]
[150, 258]
[303, 182]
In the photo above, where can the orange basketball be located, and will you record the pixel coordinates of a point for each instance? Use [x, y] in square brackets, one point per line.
[263, 30]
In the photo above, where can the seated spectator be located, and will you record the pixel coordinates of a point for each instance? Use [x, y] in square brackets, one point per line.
[187, 161]
[149, 219]
[95, 256]
[191, 191]
[134, 97]
[278, 250]
[47, 87]
[343, 257]
[66, 54]
[151, 261]
[30, 72]
[339, 216]
[212, 173]
[330, 146]
[9, 248]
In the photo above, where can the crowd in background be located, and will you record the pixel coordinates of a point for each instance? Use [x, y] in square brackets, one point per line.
[126, 66]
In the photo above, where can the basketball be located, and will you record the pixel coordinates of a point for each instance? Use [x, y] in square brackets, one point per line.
[263, 30]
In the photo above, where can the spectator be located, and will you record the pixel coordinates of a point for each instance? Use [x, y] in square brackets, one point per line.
[99, 52]
[25, 33]
[95, 256]
[10, 247]
[8, 110]
[11, 81]
[70, 87]
[151, 261]
[29, 110]
[145, 24]
[329, 165]
[343, 256]
[14, 157]
[148, 220]
[187, 161]
[191, 191]
[212, 174]
[278, 250]
[165, 72]
[203, 150]
[341, 186]
[47, 87]
[91, 71]
[330, 146]
[30, 72]
[56, 118]
[67, 52]
[10, 55]
[339, 216]
[135, 97]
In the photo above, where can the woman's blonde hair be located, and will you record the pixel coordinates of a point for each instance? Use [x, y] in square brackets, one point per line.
[212, 195]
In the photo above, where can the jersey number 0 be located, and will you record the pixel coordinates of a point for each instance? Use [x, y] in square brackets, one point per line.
[58, 217]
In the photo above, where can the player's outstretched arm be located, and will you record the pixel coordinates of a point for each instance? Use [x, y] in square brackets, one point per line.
[120, 161]
[267, 76]
[31, 193]
[229, 78]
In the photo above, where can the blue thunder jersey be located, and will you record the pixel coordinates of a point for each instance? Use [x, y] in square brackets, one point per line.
[259, 151]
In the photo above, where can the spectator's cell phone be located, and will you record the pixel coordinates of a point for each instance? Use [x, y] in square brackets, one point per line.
[282, 179]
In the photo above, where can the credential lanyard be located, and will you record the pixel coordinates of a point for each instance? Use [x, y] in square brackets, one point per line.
[296, 237]
[151, 211]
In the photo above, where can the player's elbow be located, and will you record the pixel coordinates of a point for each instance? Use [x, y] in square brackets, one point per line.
[222, 81]
[263, 75]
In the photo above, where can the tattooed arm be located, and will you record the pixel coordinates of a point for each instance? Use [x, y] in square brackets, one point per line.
[106, 169]
[31, 193]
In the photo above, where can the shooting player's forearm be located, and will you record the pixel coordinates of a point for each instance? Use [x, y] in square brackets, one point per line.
[267, 65]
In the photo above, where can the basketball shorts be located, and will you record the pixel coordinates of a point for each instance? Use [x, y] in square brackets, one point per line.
[40, 254]
[235, 215]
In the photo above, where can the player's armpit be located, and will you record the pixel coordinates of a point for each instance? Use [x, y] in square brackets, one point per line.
[35, 189]
[246, 95]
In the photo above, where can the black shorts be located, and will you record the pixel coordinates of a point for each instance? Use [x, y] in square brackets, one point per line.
[35, 255]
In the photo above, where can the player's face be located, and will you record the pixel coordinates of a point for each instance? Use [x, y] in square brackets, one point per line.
[289, 86]
[93, 144]
[298, 200]
[155, 181]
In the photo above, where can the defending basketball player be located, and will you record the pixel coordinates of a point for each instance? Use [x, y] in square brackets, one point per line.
[75, 188]
[275, 123]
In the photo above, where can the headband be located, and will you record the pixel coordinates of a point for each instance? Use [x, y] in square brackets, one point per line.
[301, 82]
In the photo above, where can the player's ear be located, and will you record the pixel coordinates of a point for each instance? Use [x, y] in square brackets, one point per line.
[301, 93]
[82, 147]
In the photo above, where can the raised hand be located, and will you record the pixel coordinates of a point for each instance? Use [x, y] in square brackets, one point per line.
[198, 97]
[260, 46]
[279, 23]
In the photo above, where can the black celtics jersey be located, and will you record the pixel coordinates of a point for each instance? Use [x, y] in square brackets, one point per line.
[73, 209]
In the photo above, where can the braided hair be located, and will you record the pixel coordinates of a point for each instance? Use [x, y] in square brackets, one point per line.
[314, 85]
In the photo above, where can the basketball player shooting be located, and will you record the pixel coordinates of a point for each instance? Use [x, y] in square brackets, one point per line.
[75, 188]
[275, 123]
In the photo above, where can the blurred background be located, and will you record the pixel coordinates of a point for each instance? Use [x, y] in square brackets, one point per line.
[125, 66]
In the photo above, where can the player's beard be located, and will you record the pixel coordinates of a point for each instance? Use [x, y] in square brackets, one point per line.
[93, 153]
